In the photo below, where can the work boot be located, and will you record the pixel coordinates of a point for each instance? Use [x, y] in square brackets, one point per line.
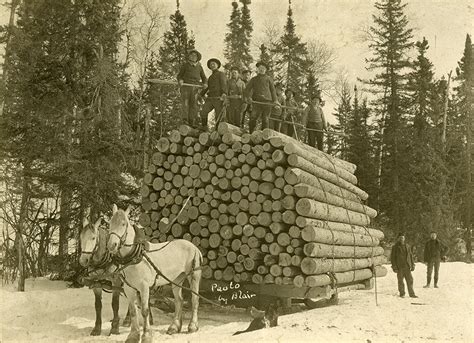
[413, 296]
[436, 286]
[402, 295]
[427, 286]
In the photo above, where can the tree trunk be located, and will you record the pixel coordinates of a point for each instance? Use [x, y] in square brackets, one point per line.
[25, 195]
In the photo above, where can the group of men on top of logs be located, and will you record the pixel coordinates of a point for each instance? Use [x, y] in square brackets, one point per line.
[232, 99]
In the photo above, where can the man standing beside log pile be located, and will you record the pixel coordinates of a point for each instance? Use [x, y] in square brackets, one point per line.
[403, 264]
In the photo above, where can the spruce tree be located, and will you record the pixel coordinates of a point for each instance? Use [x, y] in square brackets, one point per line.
[358, 147]
[165, 100]
[342, 115]
[246, 25]
[390, 47]
[291, 57]
[460, 145]
[266, 57]
[234, 38]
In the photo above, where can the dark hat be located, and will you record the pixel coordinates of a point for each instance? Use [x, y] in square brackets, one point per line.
[278, 85]
[214, 60]
[317, 96]
[195, 52]
[246, 71]
[260, 63]
[400, 234]
[234, 68]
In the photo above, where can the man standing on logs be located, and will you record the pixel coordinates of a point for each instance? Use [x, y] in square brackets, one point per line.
[216, 93]
[190, 73]
[261, 91]
[236, 93]
[315, 122]
[403, 264]
[291, 114]
[434, 252]
[247, 108]
[278, 113]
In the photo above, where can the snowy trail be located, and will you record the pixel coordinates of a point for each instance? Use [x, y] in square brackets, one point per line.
[50, 312]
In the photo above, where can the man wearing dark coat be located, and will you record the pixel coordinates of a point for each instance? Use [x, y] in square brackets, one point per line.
[190, 73]
[262, 90]
[434, 252]
[216, 93]
[403, 264]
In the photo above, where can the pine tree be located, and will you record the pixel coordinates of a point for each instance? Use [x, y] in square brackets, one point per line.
[246, 26]
[460, 144]
[342, 115]
[421, 85]
[233, 39]
[266, 57]
[291, 57]
[60, 117]
[176, 44]
[173, 53]
[390, 47]
[237, 40]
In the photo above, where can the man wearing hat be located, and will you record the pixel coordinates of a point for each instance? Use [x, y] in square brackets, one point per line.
[247, 107]
[235, 92]
[216, 93]
[315, 122]
[261, 89]
[403, 264]
[191, 72]
[434, 252]
[278, 114]
[292, 115]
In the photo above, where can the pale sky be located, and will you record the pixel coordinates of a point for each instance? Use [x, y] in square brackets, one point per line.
[338, 23]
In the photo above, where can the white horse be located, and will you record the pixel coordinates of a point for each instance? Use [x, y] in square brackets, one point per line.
[175, 260]
[95, 256]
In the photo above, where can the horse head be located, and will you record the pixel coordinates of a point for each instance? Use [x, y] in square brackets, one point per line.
[89, 239]
[119, 230]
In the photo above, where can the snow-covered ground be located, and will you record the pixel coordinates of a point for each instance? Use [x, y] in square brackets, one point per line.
[50, 312]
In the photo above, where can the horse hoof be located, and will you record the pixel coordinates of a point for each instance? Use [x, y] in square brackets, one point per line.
[127, 322]
[147, 337]
[96, 331]
[114, 331]
[172, 329]
[192, 328]
[133, 337]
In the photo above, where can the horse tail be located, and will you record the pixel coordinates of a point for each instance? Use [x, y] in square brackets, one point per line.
[197, 260]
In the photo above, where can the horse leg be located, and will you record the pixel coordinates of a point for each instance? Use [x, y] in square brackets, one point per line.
[194, 281]
[134, 335]
[151, 313]
[127, 320]
[147, 336]
[115, 308]
[175, 327]
[97, 330]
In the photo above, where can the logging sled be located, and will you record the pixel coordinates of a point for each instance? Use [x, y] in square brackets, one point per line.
[271, 215]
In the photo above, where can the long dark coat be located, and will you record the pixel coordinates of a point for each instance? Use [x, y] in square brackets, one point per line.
[402, 257]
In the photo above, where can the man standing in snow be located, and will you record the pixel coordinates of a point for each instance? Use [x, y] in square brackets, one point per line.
[434, 252]
[403, 264]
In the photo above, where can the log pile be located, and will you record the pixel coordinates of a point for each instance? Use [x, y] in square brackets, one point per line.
[262, 208]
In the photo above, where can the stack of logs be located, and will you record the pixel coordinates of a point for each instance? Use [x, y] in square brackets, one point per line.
[262, 208]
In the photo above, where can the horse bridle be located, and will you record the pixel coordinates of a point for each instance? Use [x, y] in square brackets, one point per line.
[123, 237]
[105, 259]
